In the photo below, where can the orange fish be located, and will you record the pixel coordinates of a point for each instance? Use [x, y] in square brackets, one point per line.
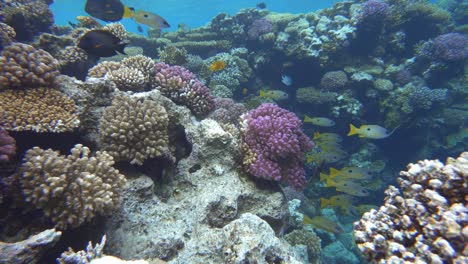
[217, 66]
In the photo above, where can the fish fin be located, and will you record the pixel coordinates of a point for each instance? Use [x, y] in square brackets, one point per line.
[120, 48]
[307, 119]
[306, 220]
[330, 183]
[333, 172]
[129, 12]
[352, 130]
[262, 94]
[323, 177]
[324, 202]
[316, 135]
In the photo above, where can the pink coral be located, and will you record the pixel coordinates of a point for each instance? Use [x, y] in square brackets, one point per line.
[275, 137]
[182, 87]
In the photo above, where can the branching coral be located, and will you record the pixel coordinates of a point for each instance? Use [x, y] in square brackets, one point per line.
[22, 65]
[39, 109]
[182, 87]
[427, 223]
[128, 79]
[102, 68]
[71, 189]
[7, 146]
[134, 130]
[276, 145]
[141, 63]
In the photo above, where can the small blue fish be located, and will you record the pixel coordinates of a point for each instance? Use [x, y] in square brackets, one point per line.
[286, 79]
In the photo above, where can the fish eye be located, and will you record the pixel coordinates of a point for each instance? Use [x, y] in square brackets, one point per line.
[368, 129]
[350, 171]
[145, 15]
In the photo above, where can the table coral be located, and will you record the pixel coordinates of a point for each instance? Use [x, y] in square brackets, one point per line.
[71, 189]
[183, 87]
[274, 135]
[425, 222]
[22, 65]
[134, 130]
[38, 109]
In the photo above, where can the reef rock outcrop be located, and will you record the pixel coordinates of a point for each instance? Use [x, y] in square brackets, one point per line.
[426, 222]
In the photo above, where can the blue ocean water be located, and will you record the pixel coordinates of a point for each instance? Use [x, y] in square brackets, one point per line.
[190, 12]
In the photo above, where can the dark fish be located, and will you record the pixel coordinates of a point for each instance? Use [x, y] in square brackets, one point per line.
[140, 29]
[107, 10]
[261, 5]
[101, 43]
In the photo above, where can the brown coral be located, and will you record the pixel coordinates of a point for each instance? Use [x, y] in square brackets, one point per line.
[117, 30]
[427, 224]
[40, 110]
[7, 34]
[128, 79]
[71, 189]
[102, 68]
[134, 130]
[141, 63]
[22, 65]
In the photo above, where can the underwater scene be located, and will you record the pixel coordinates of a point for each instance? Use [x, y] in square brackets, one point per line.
[324, 132]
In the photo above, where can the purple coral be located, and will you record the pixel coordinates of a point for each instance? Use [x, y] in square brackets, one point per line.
[258, 27]
[7, 146]
[227, 111]
[275, 138]
[373, 10]
[183, 87]
[450, 47]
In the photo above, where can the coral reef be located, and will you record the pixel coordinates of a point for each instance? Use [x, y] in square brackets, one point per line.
[103, 68]
[450, 47]
[308, 238]
[38, 109]
[30, 250]
[424, 222]
[134, 130]
[182, 86]
[276, 145]
[334, 80]
[70, 189]
[7, 146]
[258, 27]
[227, 111]
[127, 79]
[172, 55]
[7, 35]
[27, 17]
[22, 65]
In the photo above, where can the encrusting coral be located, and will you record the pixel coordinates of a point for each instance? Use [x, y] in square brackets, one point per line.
[71, 189]
[134, 130]
[427, 223]
[38, 109]
[22, 65]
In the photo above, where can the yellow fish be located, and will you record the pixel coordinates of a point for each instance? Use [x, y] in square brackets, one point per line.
[369, 131]
[327, 137]
[326, 156]
[150, 19]
[276, 95]
[373, 185]
[319, 121]
[323, 223]
[349, 187]
[341, 200]
[350, 173]
[362, 208]
[217, 66]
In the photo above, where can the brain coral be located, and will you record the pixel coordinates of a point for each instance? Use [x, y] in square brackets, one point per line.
[275, 145]
[38, 109]
[134, 130]
[428, 223]
[22, 65]
[71, 189]
[182, 87]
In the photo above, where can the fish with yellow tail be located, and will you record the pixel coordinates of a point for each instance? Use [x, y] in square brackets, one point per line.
[319, 121]
[350, 173]
[327, 137]
[217, 66]
[323, 223]
[276, 95]
[341, 200]
[348, 186]
[152, 20]
[370, 131]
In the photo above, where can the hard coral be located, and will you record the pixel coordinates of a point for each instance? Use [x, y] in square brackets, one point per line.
[276, 145]
[7, 146]
[71, 189]
[427, 224]
[39, 109]
[22, 65]
[134, 130]
[127, 79]
[450, 47]
[182, 87]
